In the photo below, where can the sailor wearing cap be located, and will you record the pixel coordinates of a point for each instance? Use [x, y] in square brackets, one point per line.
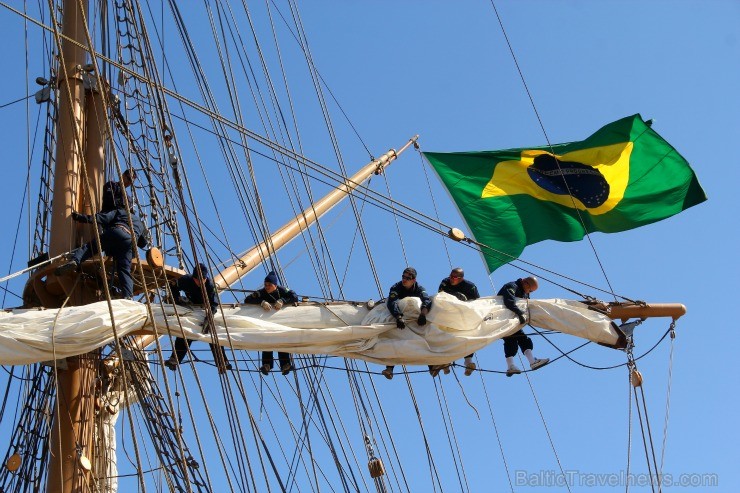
[464, 290]
[406, 287]
[273, 296]
[193, 286]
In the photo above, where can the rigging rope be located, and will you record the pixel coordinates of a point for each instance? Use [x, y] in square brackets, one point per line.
[547, 139]
[417, 146]
[495, 428]
[542, 416]
[668, 397]
[629, 431]
[214, 115]
[351, 371]
[636, 381]
[451, 435]
[433, 473]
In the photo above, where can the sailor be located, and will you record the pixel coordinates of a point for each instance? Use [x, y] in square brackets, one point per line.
[114, 192]
[193, 286]
[407, 287]
[510, 292]
[464, 290]
[117, 242]
[273, 296]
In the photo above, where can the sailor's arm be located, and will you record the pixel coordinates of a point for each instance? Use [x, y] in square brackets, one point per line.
[509, 298]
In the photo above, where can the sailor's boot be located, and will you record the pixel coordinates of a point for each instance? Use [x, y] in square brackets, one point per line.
[171, 363]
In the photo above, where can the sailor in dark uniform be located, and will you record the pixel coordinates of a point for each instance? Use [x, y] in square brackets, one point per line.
[464, 290]
[510, 292]
[272, 296]
[117, 242]
[403, 289]
[193, 286]
[115, 191]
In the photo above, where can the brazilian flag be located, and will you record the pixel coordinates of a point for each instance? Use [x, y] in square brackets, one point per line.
[622, 177]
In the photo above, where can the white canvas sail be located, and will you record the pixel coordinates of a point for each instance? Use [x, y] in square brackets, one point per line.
[350, 330]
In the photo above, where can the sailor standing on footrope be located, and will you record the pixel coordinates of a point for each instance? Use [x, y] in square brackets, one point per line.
[463, 290]
[510, 292]
[272, 296]
[193, 287]
[403, 289]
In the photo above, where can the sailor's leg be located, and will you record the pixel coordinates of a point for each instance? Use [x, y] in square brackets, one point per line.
[286, 365]
[117, 243]
[511, 344]
[123, 269]
[284, 359]
[525, 343]
[181, 348]
[75, 259]
[178, 353]
[267, 359]
[219, 356]
[470, 366]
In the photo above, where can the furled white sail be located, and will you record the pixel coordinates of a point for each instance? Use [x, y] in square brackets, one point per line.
[455, 328]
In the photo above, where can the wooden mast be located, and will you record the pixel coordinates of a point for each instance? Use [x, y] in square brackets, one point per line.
[72, 429]
[253, 257]
[288, 232]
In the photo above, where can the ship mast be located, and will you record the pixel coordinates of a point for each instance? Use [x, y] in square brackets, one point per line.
[288, 232]
[72, 431]
[254, 256]
[78, 178]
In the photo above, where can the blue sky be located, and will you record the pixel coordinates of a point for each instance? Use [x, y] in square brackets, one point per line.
[443, 70]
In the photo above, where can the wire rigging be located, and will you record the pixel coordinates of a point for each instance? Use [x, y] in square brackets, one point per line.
[547, 139]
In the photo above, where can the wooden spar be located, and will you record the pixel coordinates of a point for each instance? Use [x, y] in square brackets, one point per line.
[252, 258]
[95, 116]
[624, 311]
[73, 423]
[69, 151]
[288, 232]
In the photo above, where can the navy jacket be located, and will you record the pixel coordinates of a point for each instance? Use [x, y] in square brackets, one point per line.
[113, 193]
[398, 292]
[465, 287]
[287, 295]
[118, 218]
[511, 291]
[194, 292]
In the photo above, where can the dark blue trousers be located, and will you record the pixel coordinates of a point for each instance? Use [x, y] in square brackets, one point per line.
[514, 341]
[116, 243]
